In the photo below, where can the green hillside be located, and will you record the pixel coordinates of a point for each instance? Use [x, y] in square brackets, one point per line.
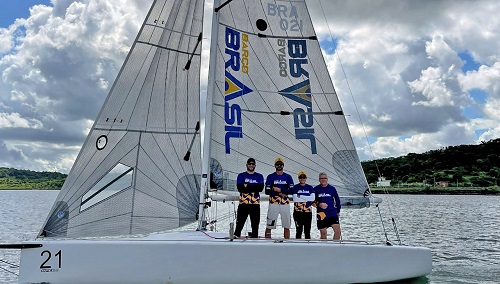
[460, 166]
[11, 178]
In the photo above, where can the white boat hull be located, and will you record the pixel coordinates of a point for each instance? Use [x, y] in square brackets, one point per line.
[196, 257]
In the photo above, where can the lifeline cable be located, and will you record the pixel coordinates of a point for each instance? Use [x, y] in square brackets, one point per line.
[4, 269]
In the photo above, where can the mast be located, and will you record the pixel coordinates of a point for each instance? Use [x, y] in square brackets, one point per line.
[205, 160]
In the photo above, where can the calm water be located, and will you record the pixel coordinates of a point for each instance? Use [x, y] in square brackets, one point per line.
[462, 231]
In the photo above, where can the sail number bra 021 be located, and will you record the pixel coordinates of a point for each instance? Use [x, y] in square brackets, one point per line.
[288, 16]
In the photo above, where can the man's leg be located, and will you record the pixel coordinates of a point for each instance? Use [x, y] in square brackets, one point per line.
[255, 219]
[298, 224]
[286, 233]
[306, 221]
[336, 231]
[322, 233]
[241, 218]
[286, 220]
[272, 216]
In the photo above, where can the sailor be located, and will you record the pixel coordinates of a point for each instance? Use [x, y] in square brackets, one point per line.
[278, 186]
[303, 197]
[328, 207]
[249, 183]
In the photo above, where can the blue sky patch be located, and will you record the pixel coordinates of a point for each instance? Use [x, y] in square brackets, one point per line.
[14, 9]
[472, 112]
[470, 64]
[478, 95]
[479, 132]
[329, 46]
[372, 140]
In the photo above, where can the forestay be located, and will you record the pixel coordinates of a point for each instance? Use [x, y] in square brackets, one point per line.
[273, 97]
[130, 176]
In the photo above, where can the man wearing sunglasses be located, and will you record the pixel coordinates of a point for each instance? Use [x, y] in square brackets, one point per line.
[278, 186]
[249, 183]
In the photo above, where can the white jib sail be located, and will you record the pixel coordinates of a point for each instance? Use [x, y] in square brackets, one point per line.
[130, 176]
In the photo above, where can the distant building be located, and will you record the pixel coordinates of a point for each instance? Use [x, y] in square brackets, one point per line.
[382, 182]
[441, 184]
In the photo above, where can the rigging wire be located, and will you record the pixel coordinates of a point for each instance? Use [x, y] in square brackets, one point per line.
[6, 270]
[364, 131]
[11, 264]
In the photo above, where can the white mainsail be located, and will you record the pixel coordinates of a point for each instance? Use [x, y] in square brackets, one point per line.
[130, 176]
[273, 97]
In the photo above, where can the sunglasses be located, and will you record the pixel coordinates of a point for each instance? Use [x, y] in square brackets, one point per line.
[279, 164]
[302, 177]
[251, 164]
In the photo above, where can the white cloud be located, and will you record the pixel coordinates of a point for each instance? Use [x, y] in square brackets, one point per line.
[486, 78]
[5, 40]
[401, 59]
[433, 87]
[65, 57]
[402, 62]
[11, 156]
[394, 146]
[15, 120]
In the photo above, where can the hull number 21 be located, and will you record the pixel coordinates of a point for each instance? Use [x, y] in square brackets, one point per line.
[50, 263]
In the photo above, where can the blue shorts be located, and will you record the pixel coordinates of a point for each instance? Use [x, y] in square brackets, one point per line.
[322, 224]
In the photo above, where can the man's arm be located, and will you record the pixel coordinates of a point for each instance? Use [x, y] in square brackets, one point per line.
[244, 189]
[269, 185]
[337, 200]
[288, 188]
[310, 197]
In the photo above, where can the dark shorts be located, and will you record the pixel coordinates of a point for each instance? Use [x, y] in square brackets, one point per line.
[322, 224]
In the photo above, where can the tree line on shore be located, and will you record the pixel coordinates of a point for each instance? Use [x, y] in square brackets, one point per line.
[11, 178]
[459, 166]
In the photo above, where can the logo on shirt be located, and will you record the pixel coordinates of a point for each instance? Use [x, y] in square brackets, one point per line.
[248, 180]
[324, 195]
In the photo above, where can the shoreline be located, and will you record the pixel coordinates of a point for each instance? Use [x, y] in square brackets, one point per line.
[30, 189]
[435, 191]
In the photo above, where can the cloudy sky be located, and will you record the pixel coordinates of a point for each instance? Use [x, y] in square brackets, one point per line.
[421, 74]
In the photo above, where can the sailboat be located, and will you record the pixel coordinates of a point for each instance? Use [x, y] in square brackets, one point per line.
[147, 164]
